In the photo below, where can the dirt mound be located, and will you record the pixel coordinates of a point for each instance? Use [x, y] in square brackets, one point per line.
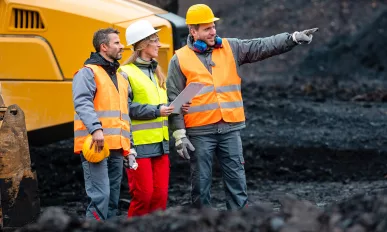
[361, 213]
[352, 56]
[354, 60]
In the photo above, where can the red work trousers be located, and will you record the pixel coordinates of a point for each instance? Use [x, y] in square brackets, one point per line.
[148, 185]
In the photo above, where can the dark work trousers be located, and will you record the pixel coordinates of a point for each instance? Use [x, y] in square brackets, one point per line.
[102, 184]
[228, 149]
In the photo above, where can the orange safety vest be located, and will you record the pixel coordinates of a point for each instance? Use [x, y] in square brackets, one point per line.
[221, 97]
[112, 110]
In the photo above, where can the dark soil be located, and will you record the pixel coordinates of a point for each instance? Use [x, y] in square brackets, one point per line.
[316, 129]
[361, 213]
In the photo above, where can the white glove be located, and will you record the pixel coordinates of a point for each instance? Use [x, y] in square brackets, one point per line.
[304, 37]
[130, 160]
[182, 143]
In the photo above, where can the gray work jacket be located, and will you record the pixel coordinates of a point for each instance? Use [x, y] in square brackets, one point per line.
[244, 51]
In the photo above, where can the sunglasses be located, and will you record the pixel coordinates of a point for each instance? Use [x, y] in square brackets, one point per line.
[154, 39]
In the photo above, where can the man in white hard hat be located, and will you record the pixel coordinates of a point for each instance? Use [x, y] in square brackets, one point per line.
[213, 123]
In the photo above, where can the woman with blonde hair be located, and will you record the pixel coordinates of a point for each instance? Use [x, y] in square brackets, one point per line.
[149, 111]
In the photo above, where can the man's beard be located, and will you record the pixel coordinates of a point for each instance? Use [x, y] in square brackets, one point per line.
[212, 43]
[116, 57]
[207, 41]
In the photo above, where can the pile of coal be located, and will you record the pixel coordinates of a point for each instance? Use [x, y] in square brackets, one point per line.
[361, 213]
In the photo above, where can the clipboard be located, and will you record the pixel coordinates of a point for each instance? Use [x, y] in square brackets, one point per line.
[186, 95]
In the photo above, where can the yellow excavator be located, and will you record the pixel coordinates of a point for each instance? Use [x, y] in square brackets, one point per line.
[42, 44]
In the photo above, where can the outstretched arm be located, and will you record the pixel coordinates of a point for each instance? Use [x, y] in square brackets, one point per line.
[253, 50]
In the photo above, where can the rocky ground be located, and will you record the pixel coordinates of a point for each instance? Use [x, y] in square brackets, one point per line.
[316, 128]
[360, 213]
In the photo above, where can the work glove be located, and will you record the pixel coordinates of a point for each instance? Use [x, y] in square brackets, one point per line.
[304, 37]
[182, 143]
[130, 160]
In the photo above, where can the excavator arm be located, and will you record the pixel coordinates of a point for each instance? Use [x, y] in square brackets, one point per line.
[19, 201]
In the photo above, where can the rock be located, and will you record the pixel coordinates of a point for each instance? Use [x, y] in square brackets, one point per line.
[294, 216]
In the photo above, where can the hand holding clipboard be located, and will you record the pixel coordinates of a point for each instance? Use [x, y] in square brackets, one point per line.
[186, 96]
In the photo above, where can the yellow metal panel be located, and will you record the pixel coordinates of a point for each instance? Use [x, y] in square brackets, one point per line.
[70, 34]
[2, 9]
[38, 61]
[163, 59]
[2, 14]
[44, 103]
[110, 11]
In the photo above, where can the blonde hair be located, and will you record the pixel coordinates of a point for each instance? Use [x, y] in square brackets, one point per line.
[138, 47]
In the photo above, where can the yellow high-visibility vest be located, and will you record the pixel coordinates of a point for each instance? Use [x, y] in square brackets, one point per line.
[145, 91]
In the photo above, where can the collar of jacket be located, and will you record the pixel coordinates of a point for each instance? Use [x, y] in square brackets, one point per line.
[152, 64]
[97, 59]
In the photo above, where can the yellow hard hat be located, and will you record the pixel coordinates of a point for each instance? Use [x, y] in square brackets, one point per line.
[200, 13]
[90, 154]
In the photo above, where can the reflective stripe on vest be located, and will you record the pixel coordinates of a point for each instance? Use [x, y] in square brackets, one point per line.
[113, 114]
[145, 91]
[221, 97]
[149, 125]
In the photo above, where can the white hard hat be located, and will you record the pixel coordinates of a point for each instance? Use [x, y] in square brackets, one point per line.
[139, 30]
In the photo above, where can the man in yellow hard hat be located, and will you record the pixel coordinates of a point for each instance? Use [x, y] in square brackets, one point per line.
[213, 122]
[100, 96]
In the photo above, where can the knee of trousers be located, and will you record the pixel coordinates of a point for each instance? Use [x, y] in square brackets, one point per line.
[98, 192]
[201, 185]
[142, 196]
